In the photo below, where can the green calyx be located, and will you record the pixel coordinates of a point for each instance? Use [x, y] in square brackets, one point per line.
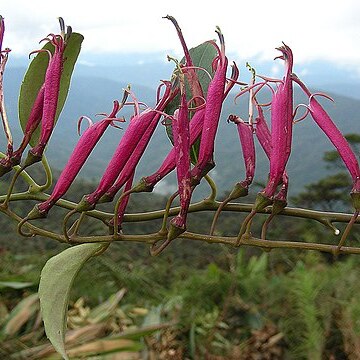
[106, 198]
[175, 231]
[238, 191]
[278, 206]
[32, 159]
[355, 197]
[35, 213]
[84, 205]
[261, 202]
[142, 186]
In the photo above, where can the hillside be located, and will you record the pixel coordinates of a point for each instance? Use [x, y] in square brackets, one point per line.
[90, 95]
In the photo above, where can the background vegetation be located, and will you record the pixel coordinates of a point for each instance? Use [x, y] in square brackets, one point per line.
[195, 300]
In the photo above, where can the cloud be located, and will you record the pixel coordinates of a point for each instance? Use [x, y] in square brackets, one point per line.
[316, 30]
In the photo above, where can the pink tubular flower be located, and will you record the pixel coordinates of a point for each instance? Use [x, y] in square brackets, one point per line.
[190, 72]
[181, 135]
[147, 183]
[132, 163]
[129, 142]
[264, 136]
[214, 101]
[281, 130]
[327, 125]
[32, 123]
[245, 131]
[51, 94]
[83, 148]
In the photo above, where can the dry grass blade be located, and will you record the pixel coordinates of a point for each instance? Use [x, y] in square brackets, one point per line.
[20, 315]
[105, 309]
[105, 346]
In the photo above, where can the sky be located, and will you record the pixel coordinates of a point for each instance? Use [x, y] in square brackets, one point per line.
[315, 30]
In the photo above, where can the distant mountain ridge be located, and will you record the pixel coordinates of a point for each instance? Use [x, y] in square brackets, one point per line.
[93, 94]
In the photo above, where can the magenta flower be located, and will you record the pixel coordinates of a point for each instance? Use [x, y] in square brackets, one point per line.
[51, 94]
[181, 135]
[264, 136]
[132, 162]
[327, 125]
[281, 130]
[214, 101]
[32, 123]
[245, 131]
[189, 71]
[196, 125]
[129, 142]
[147, 183]
[80, 154]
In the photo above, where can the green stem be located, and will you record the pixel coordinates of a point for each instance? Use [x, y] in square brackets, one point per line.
[28, 179]
[246, 240]
[167, 212]
[5, 204]
[34, 229]
[213, 188]
[48, 172]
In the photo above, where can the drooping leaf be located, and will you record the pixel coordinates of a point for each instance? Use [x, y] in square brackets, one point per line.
[56, 280]
[35, 75]
[202, 56]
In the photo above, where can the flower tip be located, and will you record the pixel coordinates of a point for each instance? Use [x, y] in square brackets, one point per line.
[62, 24]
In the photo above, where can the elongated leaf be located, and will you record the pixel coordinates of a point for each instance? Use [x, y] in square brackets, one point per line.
[35, 75]
[56, 280]
[202, 56]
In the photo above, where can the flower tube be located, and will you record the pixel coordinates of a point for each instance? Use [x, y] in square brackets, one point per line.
[181, 134]
[213, 106]
[51, 94]
[281, 131]
[326, 124]
[80, 154]
[128, 143]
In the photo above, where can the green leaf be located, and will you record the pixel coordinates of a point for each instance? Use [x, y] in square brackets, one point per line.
[35, 75]
[56, 280]
[202, 56]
